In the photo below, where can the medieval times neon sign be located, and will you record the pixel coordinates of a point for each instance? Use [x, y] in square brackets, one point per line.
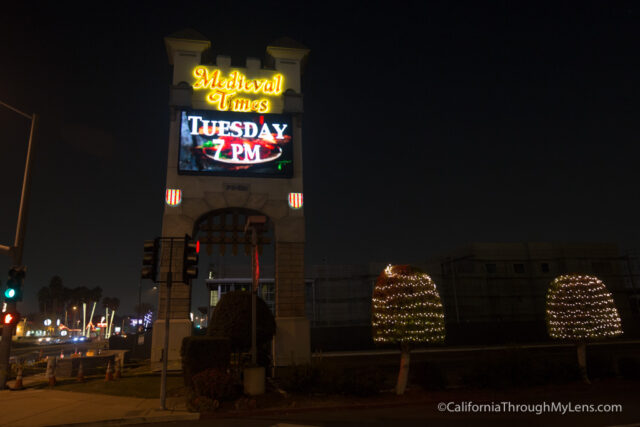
[237, 92]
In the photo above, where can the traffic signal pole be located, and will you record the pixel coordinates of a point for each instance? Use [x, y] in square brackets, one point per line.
[17, 250]
[149, 271]
[21, 227]
[167, 314]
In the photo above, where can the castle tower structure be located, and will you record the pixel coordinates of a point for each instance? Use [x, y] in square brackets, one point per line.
[235, 150]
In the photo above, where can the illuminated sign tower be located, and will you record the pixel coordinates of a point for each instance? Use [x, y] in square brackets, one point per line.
[235, 146]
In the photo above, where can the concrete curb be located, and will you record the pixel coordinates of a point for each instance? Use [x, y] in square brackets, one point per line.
[134, 420]
[277, 411]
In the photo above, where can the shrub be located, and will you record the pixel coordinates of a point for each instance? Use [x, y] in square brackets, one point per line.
[202, 353]
[232, 318]
[629, 368]
[517, 369]
[318, 378]
[201, 404]
[300, 379]
[430, 376]
[362, 381]
[216, 384]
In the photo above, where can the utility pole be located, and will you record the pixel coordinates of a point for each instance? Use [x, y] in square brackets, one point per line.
[18, 246]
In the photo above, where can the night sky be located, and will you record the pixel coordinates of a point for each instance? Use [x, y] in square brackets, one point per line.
[425, 127]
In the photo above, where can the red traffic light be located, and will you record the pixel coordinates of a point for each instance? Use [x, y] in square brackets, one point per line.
[10, 318]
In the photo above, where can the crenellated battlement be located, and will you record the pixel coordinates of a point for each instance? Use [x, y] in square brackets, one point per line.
[187, 54]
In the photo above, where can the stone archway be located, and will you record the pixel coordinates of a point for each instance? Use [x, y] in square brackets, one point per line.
[224, 228]
[216, 221]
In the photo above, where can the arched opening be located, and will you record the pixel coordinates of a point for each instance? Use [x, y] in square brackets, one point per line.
[225, 258]
[226, 228]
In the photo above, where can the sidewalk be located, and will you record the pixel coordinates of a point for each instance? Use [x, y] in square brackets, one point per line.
[44, 407]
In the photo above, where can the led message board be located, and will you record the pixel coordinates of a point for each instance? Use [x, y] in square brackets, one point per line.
[235, 144]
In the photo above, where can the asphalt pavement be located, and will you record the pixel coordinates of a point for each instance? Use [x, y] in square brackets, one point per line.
[414, 415]
[44, 407]
[611, 402]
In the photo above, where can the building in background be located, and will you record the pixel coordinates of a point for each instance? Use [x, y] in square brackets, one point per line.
[496, 291]
[335, 295]
[340, 295]
[492, 292]
[337, 299]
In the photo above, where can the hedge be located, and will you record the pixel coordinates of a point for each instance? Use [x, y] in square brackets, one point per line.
[202, 353]
[232, 318]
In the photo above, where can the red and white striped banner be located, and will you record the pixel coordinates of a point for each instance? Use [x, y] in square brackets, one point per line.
[295, 200]
[173, 197]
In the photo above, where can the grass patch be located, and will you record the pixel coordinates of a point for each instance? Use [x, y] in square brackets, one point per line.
[145, 386]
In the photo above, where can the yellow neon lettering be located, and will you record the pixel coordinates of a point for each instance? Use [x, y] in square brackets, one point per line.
[241, 104]
[204, 80]
[225, 87]
[278, 79]
[257, 84]
[240, 81]
[221, 98]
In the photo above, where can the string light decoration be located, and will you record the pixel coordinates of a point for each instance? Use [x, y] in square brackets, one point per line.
[406, 308]
[580, 308]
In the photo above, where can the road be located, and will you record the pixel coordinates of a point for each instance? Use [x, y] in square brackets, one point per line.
[33, 352]
[419, 415]
[457, 410]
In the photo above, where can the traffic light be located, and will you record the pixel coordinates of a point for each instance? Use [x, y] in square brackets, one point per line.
[10, 318]
[150, 259]
[13, 293]
[190, 261]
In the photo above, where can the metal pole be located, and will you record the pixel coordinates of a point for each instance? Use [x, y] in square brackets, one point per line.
[15, 110]
[24, 197]
[5, 350]
[254, 291]
[165, 351]
[16, 252]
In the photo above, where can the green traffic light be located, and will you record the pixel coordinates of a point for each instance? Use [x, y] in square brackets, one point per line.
[10, 293]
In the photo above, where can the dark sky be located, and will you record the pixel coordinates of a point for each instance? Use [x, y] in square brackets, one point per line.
[426, 127]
